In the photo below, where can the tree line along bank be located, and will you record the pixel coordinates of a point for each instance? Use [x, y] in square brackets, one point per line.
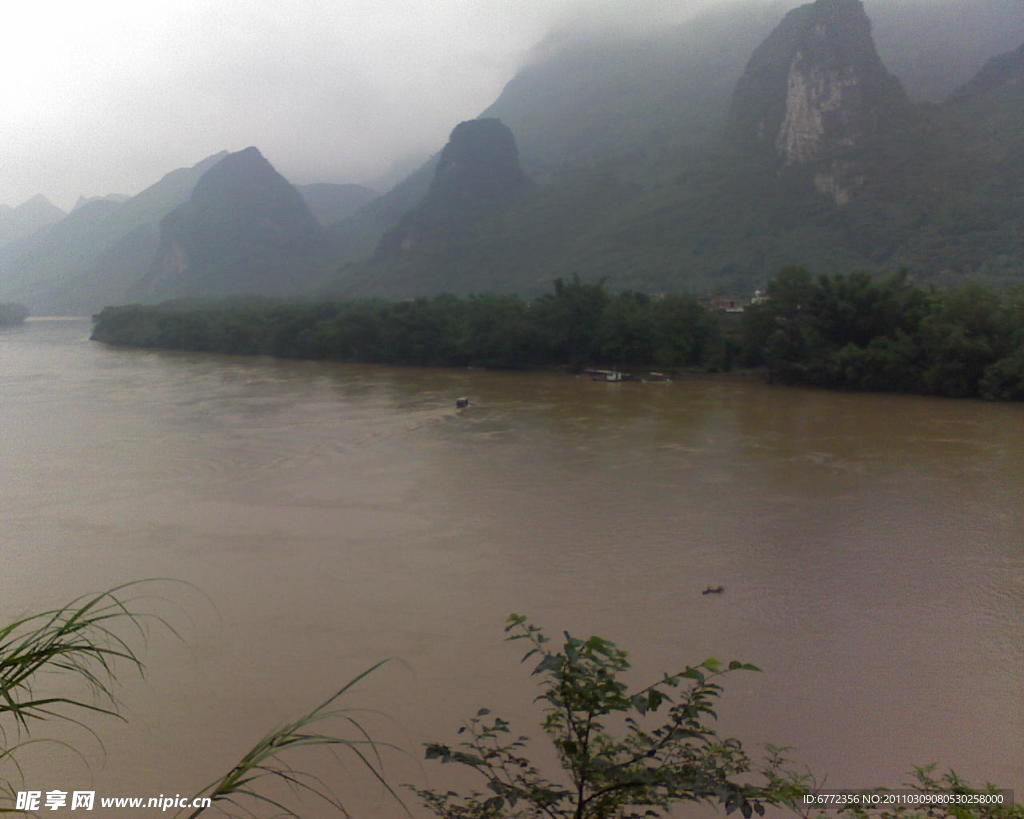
[851, 331]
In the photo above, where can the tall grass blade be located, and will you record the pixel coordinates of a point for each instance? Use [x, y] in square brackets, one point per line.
[264, 759]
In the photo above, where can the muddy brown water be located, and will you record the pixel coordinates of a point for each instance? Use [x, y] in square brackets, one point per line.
[871, 549]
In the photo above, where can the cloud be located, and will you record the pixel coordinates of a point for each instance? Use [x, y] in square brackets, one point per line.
[107, 96]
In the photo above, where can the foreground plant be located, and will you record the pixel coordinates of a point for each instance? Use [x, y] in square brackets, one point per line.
[945, 797]
[623, 753]
[78, 640]
[263, 761]
[83, 642]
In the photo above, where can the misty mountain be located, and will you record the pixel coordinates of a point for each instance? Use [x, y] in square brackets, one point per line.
[585, 99]
[110, 197]
[477, 175]
[356, 238]
[937, 46]
[835, 134]
[90, 257]
[816, 97]
[816, 88]
[971, 196]
[590, 115]
[245, 229]
[330, 203]
[27, 218]
[435, 245]
[696, 167]
[1004, 73]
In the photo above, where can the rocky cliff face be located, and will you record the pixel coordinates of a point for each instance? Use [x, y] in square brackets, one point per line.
[244, 230]
[815, 95]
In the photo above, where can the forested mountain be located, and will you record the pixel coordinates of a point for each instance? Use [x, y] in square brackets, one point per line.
[435, 247]
[836, 134]
[245, 229]
[688, 167]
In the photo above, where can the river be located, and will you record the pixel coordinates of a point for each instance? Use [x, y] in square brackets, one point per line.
[871, 550]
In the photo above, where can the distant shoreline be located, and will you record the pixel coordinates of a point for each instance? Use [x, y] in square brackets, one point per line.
[852, 333]
[12, 315]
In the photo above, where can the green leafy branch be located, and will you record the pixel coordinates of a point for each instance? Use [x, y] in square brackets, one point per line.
[638, 770]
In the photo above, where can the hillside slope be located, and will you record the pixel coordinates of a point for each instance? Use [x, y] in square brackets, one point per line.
[30, 216]
[245, 229]
[836, 134]
[95, 253]
[816, 156]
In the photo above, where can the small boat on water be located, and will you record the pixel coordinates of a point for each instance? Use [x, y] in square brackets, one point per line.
[461, 402]
[611, 376]
[713, 590]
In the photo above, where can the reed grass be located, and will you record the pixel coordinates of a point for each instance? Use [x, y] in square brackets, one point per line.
[77, 639]
[82, 643]
[265, 759]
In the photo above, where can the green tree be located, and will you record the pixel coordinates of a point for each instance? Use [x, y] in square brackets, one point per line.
[684, 333]
[625, 332]
[497, 331]
[11, 313]
[625, 753]
[1004, 380]
[572, 316]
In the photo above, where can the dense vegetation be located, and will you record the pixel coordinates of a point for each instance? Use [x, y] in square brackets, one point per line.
[574, 325]
[887, 334]
[645, 180]
[12, 313]
[841, 331]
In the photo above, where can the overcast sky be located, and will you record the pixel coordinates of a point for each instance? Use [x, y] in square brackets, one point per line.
[105, 96]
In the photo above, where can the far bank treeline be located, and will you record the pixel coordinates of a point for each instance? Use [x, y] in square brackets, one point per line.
[847, 332]
[12, 313]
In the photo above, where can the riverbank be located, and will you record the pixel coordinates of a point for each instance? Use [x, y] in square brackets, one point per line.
[12, 314]
[576, 326]
[840, 332]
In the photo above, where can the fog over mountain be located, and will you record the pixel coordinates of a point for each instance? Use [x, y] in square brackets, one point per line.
[662, 145]
[108, 96]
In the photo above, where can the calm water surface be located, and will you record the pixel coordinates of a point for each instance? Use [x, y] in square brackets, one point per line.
[871, 548]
